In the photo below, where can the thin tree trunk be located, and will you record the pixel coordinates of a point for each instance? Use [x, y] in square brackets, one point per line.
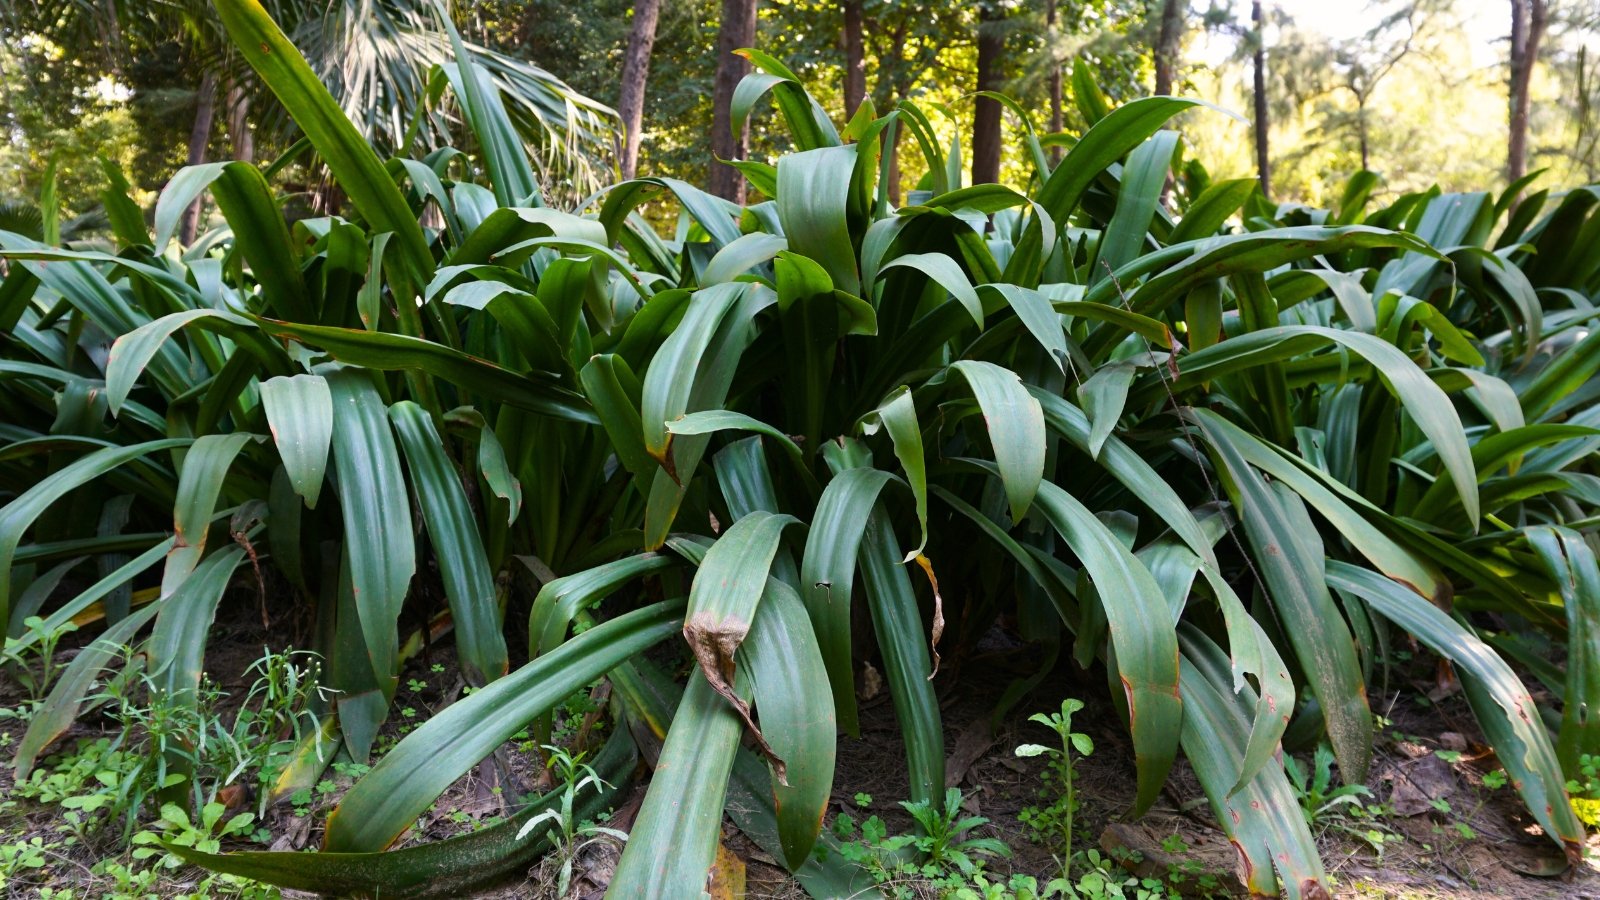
[986, 114]
[239, 133]
[1051, 38]
[1527, 30]
[738, 30]
[855, 58]
[1361, 132]
[1166, 49]
[205, 110]
[635, 75]
[894, 169]
[1259, 87]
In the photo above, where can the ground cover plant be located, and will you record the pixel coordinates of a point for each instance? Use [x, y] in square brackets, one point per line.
[1226, 454]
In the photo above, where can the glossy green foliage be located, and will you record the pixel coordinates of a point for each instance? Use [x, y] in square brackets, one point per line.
[1047, 406]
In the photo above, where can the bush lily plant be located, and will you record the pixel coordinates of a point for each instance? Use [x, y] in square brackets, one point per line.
[1225, 450]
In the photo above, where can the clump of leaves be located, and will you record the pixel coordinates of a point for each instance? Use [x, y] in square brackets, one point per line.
[571, 835]
[1341, 807]
[1584, 790]
[939, 852]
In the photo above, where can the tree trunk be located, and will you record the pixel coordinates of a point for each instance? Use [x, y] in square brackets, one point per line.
[1259, 88]
[1166, 49]
[205, 109]
[635, 75]
[738, 30]
[239, 133]
[1361, 134]
[986, 114]
[1527, 30]
[1051, 38]
[855, 58]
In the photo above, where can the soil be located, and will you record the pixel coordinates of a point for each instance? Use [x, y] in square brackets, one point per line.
[1474, 842]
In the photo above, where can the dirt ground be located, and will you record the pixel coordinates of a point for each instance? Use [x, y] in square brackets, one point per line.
[1497, 853]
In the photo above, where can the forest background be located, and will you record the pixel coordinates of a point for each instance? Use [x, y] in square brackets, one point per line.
[151, 84]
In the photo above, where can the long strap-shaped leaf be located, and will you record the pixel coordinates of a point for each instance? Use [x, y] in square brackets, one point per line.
[1347, 513]
[723, 601]
[1571, 564]
[178, 642]
[536, 392]
[1263, 820]
[1141, 635]
[797, 718]
[438, 869]
[376, 511]
[55, 716]
[1504, 709]
[406, 782]
[907, 665]
[814, 201]
[18, 515]
[1016, 429]
[827, 576]
[1429, 406]
[651, 698]
[1139, 192]
[1105, 143]
[205, 466]
[670, 379]
[355, 166]
[453, 531]
[561, 600]
[508, 165]
[1288, 555]
[674, 840]
[300, 414]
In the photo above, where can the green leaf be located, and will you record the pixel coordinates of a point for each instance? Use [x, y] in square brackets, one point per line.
[404, 783]
[19, 515]
[1570, 562]
[1016, 429]
[907, 666]
[60, 709]
[944, 271]
[1141, 623]
[798, 720]
[1504, 709]
[814, 201]
[372, 490]
[827, 576]
[1263, 820]
[561, 600]
[300, 414]
[178, 641]
[453, 867]
[1103, 397]
[898, 416]
[1429, 406]
[134, 350]
[536, 392]
[723, 602]
[457, 545]
[509, 169]
[674, 839]
[356, 168]
[1106, 141]
[205, 466]
[670, 379]
[1143, 179]
[1288, 553]
[1211, 210]
[741, 256]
